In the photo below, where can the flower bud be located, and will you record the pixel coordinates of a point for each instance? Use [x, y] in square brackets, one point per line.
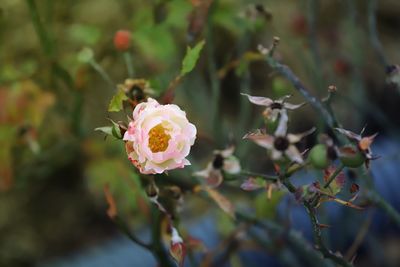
[122, 40]
[318, 156]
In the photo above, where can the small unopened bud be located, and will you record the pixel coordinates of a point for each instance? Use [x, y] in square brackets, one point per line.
[332, 88]
[122, 40]
[152, 190]
[122, 127]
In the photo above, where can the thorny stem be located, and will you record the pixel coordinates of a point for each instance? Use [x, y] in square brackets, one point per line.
[333, 175]
[316, 228]
[318, 238]
[289, 75]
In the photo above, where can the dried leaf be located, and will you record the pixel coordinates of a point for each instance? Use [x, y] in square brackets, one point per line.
[112, 207]
[337, 184]
[224, 203]
[354, 188]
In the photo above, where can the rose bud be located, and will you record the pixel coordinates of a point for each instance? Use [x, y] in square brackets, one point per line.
[122, 40]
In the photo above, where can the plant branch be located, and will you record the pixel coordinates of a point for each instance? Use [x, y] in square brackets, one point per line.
[289, 75]
[318, 238]
[125, 229]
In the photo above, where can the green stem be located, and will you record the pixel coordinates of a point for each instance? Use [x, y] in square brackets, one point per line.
[96, 66]
[157, 247]
[333, 175]
[125, 229]
[128, 62]
[385, 206]
[264, 176]
[44, 38]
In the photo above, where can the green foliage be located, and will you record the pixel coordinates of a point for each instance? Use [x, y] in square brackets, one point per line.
[116, 103]
[113, 130]
[84, 34]
[191, 57]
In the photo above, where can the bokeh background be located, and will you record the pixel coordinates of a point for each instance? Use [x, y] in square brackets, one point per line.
[53, 165]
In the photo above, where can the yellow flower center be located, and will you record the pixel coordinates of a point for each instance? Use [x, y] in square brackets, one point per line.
[158, 139]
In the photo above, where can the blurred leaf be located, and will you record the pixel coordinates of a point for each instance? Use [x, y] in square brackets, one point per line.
[124, 185]
[266, 208]
[84, 34]
[224, 203]
[191, 57]
[116, 103]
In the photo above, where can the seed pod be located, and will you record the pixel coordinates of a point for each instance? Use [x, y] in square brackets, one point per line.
[318, 156]
[351, 157]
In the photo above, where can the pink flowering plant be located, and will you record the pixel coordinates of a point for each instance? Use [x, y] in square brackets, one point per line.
[159, 137]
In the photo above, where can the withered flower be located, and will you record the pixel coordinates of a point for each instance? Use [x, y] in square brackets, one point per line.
[281, 143]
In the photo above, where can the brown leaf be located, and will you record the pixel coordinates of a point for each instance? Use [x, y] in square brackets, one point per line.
[354, 188]
[112, 207]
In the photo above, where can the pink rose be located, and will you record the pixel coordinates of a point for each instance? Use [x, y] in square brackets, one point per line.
[159, 137]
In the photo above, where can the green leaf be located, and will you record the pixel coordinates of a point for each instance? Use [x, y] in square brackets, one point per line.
[191, 57]
[116, 101]
[106, 129]
[111, 130]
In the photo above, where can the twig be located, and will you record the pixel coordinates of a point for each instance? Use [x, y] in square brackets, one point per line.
[373, 33]
[124, 228]
[289, 75]
[359, 238]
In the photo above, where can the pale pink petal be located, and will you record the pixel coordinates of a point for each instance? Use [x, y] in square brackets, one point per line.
[260, 139]
[293, 154]
[259, 100]
[294, 138]
[282, 126]
[231, 165]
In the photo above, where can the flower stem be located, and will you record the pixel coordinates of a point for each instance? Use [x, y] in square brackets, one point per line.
[128, 62]
[333, 175]
[97, 67]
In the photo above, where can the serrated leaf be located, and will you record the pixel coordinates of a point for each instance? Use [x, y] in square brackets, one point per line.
[191, 57]
[337, 184]
[116, 103]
